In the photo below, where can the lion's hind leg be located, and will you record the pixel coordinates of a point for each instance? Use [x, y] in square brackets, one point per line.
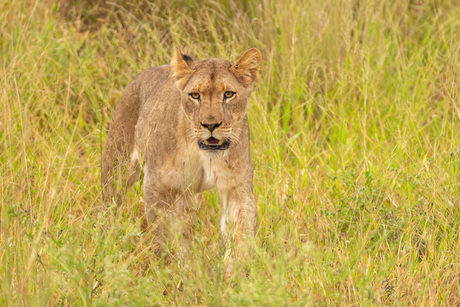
[120, 168]
[119, 173]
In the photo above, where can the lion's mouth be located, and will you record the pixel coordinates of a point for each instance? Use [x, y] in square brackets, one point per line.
[214, 144]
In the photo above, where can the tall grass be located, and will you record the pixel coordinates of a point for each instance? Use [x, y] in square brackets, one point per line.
[355, 125]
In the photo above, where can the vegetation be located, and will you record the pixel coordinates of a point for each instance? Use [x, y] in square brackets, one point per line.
[355, 124]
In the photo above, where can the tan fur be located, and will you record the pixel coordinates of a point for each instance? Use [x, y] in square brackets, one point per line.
[156, 127]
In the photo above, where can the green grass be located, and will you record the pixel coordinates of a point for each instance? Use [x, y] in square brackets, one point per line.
[355, 124]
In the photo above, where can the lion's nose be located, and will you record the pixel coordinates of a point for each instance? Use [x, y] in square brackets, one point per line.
[211, 127]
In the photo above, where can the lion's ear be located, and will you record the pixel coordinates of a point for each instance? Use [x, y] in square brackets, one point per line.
[247, 67]
[181, 69]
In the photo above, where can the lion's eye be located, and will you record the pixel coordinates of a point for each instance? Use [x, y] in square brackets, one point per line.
[229, 94]
[195, 95]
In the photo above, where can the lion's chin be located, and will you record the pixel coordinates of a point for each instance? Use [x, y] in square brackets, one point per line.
[214, 144]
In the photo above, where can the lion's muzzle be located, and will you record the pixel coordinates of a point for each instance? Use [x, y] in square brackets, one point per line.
[214, 144]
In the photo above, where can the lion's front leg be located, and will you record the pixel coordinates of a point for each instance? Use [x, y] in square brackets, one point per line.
[170, 217]
[239, 222]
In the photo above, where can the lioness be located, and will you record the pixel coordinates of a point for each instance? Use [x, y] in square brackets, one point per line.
[186, 124]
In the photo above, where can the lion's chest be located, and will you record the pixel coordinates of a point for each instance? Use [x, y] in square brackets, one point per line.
[187, 168]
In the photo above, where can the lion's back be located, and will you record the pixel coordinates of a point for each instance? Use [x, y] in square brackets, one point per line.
[160, 103]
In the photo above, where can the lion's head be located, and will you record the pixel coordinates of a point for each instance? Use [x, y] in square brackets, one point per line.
[215, 95]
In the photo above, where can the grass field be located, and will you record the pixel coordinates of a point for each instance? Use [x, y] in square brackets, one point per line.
[355, 124]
